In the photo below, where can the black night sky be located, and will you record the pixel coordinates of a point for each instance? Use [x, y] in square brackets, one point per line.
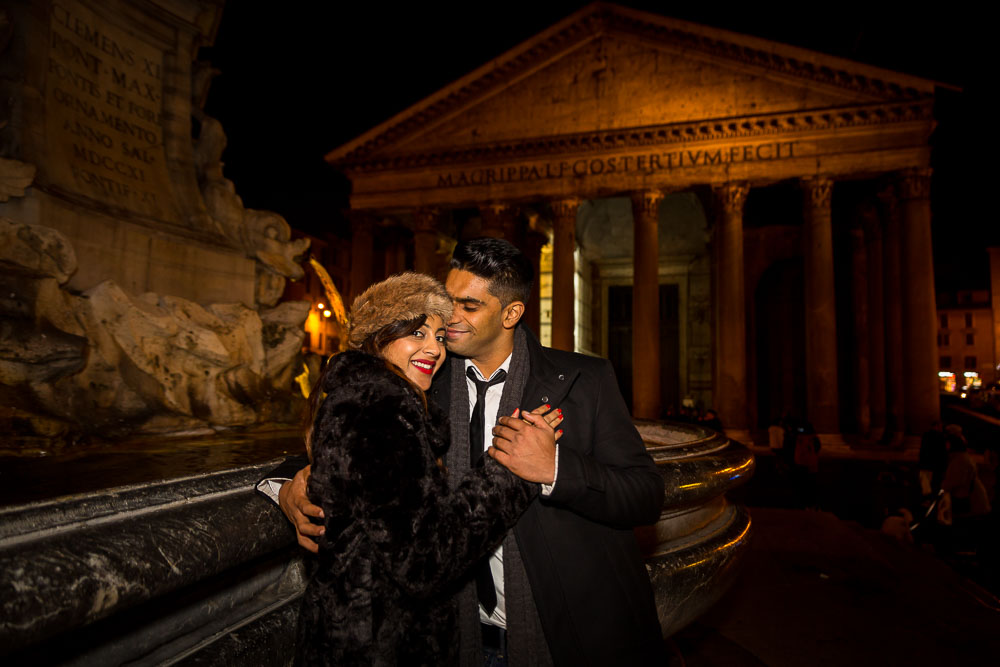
[300, 78]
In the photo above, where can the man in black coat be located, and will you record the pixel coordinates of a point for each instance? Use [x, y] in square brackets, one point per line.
[570, 585]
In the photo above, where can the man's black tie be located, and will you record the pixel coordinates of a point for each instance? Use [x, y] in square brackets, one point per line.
[485, 587]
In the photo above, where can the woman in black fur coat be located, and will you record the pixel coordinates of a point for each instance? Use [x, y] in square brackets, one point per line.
[397, 538]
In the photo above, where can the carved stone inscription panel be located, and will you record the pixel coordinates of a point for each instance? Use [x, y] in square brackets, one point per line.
[103, 100]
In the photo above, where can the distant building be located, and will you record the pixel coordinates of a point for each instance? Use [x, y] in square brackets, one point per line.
[965, 339]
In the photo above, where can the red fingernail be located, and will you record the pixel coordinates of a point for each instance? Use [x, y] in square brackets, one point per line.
[560, 412]
[559, 431]
[548, 407]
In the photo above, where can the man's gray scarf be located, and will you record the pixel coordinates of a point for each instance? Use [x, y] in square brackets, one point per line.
[525, 642]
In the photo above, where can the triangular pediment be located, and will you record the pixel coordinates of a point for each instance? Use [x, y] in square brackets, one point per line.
[610, 69]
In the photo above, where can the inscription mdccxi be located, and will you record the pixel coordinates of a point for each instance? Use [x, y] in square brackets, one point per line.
[104, 93]
[648, 163]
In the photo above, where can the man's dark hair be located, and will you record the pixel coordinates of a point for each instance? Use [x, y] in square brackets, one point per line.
[505, 267]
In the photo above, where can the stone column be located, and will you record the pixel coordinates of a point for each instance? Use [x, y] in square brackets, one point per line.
[820, 307]
[534, 241]
[859, 303]
[498, 220]
[362, 250]
[995, 290]
[425, 231]
[731, 348]
[646, 305]
[919, 310]
[563, 271]
[872, 226]
[891, 242]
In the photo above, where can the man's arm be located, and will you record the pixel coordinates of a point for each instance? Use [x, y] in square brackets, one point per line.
[292, 478]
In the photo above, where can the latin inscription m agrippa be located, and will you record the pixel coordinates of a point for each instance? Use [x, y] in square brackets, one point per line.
[104, 96]
[617, 164]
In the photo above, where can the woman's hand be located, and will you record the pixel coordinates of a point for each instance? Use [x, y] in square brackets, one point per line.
[553, 417]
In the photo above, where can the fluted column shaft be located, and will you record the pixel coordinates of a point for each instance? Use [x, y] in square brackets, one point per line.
[876, 318]
[498, 220]
[820, 307]
[892, 274]
[646, 305]
[731, 392]
[425, 226]
[563, 270]
[362, 251]
[919, 311]
[534, 241]
[859, 302]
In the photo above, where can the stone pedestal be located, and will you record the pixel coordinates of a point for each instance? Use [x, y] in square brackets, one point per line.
[646, 306]
[176, 284]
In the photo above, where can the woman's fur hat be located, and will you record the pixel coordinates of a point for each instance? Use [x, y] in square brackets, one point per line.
[402, 297]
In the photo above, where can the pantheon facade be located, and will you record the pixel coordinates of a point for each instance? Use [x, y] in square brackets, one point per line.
[741, 224]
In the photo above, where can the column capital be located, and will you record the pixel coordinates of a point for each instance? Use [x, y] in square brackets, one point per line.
[425, 219]
[732, 195]
[564, 208]
[819, 191]
[498, 219]
[914, 183]
[362, 220]
[646, 203]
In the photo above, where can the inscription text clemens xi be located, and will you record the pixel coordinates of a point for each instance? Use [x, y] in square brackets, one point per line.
[104, 95]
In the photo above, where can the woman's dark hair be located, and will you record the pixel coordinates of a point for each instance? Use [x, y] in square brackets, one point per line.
[505, 267]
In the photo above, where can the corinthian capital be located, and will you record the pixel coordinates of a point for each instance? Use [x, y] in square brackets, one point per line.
[915, 184]
[732, 196]
[563, 209]
[646, 204]
[426, 219]
[818, 191]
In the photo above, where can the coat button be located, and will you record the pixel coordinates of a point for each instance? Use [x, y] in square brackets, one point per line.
[545, 399]
[562, 377]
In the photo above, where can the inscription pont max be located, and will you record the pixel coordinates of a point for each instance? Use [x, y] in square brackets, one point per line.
[104, 95]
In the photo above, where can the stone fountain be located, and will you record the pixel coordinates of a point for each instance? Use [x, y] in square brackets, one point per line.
[137, 293]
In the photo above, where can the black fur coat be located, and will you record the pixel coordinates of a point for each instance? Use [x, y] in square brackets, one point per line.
[398, 541]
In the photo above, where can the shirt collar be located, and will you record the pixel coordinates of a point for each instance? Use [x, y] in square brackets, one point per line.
[505, 366]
